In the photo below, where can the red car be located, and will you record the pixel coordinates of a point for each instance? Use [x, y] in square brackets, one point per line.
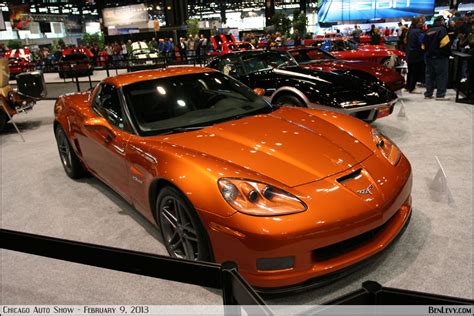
[18, 53]
[224, 44]
[76, 61]
[19, 65]
[315, 58]
[346, 49]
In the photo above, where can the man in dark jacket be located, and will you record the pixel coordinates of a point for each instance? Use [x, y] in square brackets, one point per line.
[437, 49]
[415, 55]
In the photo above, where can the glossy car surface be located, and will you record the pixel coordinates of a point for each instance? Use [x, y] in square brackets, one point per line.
[142, 57]
[346, 49]
[227, 176]
[75, 62]
[19, 65]
[315, 58]
[224, 44]
[287, 83]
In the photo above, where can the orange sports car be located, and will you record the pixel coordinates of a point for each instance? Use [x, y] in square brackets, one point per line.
[293, 195]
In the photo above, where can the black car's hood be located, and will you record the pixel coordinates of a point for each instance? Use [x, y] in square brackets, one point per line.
[340, 86]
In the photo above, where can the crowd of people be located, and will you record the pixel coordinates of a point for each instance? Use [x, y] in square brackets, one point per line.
[428, 50]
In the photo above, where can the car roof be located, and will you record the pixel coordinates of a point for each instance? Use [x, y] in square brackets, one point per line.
[137, 76]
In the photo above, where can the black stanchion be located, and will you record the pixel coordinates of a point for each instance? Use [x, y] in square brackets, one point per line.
[235, 290]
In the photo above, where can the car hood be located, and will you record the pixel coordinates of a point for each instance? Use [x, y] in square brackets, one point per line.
[380, 72]
[287, 145]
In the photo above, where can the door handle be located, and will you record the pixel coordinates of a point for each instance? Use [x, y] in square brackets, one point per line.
[118, 149]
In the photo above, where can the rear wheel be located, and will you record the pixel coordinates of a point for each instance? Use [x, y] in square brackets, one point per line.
[71, 163]
[3, 120]
[289, 100]
[183, 234]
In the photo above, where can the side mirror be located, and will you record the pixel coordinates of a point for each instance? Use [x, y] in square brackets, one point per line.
[101, 127]
[259, 91]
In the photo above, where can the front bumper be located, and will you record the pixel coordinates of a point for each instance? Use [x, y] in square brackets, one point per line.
[339, 229]
[367, 113]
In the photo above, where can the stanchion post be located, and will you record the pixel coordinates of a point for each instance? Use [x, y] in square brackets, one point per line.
[10, 118]
[231, 306]
[77, 82]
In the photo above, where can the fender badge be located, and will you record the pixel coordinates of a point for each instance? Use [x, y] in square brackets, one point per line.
[366, 191]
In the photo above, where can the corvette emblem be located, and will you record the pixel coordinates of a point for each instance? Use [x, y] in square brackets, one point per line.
[366, 191]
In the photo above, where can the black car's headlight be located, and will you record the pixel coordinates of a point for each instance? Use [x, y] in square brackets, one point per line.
[389, 150]
[257, 198]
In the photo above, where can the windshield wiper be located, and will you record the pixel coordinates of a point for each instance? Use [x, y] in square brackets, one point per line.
[182, 129]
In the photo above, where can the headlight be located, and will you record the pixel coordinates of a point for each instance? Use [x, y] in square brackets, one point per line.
[256, 198]
[387, 147]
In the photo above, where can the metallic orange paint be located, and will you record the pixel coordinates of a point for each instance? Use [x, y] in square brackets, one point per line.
[302, 151]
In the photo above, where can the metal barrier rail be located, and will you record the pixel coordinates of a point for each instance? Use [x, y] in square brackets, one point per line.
[235, 290]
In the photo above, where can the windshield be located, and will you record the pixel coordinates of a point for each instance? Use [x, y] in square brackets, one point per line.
[268, 60]
[172, 104]
[308, 55]
[335, 45]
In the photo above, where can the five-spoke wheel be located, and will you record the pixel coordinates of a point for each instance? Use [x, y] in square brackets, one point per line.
[183, 234]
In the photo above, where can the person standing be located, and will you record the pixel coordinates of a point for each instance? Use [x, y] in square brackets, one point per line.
[375, 37]
[356, 34]
[182, 47]
[414, 54]
[437, 49]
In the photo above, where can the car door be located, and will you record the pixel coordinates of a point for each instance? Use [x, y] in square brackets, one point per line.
[104, 147]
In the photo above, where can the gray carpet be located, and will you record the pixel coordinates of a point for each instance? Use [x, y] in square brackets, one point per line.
[434, 255]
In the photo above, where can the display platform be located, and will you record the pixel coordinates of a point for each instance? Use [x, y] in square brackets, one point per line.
[434, 255]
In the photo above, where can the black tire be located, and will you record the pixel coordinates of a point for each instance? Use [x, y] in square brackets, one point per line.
[71, 163]
[290, 100]
[183, 233]
[3, 120]
[61, 75]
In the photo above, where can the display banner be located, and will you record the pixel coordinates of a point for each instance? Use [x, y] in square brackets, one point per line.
[354, 10]
[320, 310]
[125, 15]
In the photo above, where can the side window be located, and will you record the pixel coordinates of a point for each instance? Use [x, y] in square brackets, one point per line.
[107, 104]
[231, 66]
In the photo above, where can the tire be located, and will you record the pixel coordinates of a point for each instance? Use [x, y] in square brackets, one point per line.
[61, 75]
[71, 163]
[290, 100]
[183, 233]
[3, 120]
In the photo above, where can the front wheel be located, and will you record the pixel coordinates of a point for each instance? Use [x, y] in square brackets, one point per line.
[71, 163]
[289, 100]
[183, 234]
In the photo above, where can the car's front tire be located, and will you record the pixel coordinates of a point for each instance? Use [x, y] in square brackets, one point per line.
[289, 100]
[183, 233]
[71, 163]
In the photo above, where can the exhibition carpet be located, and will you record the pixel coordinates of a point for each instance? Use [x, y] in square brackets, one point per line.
[434, 255]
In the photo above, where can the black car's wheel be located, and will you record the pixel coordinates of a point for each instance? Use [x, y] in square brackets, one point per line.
[182, 231]
[71, 163]
[289, 100]
[3, 120]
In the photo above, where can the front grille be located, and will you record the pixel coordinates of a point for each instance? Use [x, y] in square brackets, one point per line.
[345, 246]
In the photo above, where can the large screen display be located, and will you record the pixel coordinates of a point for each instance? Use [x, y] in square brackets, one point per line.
[353, 10]
[126, 15]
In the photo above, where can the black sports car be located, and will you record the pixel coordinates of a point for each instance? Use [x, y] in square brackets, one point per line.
[286, 83]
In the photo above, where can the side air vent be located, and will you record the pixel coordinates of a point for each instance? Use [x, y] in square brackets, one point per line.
[350, 176]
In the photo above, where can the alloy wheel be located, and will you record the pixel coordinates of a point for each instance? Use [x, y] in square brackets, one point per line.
[179, 231]
[64, 150]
